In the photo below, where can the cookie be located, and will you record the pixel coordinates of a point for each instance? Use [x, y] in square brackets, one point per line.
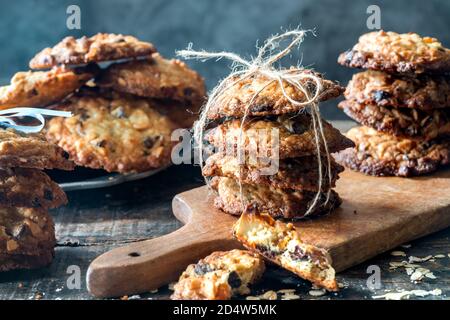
[293, 173]
[388, 90]
[398, 53]
[31, 188]
[31, 150]
[280, 243]
[100, 47]
[41, 88]
[406, 122]
[381, 154]
[239, 97]
[219, 276]
[117, 133]
[295, 136]
[156, 77]
[27, 238]
[279, 203]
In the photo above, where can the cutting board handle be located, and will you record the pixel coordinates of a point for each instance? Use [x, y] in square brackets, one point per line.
[147, 265]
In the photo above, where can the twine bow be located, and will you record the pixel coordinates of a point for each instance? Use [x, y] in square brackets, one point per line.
[268, 54]
[7, 117]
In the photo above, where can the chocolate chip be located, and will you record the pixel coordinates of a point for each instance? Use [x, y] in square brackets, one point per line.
[34, 92]
[380, 95]
[349, 56]
[48, 195]
[149, 142]
[65, 155]
[188, 92]
[299, 127]
[35, 203]
[260, 108]
[101, 143]
[233, 280]
[83, 115]
[20, 231]
[298, 254]
[201, 268]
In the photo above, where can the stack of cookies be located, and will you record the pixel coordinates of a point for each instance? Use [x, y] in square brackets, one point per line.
[27, 235]
[289, 191]
[403, 103]
[124, 112]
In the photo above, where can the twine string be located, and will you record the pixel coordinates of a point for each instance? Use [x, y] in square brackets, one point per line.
[262, 65]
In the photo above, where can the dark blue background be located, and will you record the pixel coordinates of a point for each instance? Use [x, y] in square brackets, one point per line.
[27, 26]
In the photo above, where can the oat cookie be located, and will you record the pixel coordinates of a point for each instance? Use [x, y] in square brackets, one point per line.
[398, 53]
[383, 89]
[117, 133]
[100, 47]
[280, 243]
[27, 238]
[296, 136]
[407, 122]
[219, 276]
[156, 77]
[31, 188]
[380, 154]
[31, 150]
[41, 88]
[279, 203]
[239, 97]
[293, 173]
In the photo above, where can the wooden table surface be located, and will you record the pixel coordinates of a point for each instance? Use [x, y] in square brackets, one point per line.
[96, 221]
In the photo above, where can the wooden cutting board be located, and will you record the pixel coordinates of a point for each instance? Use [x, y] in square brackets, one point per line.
[377, 214]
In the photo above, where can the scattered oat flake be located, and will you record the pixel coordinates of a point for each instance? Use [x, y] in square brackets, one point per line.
[317, 292]
[409, 271]
[406, 294]
[134, 297]
[397, 264]
[154, 291]
[290, 297]
[269, 295]
[20, 285]
[430, 275]
[439, 256]
[252, 298]
[417, 276]
[406, 246]
[398, 253]
[417, 259]
[286, 291]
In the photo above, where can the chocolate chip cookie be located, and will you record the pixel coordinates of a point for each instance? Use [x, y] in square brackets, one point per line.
[156, 77]
[100, 47]
[381, 154]
[388, 90]
[41, 88]
[281, 244]
[31, 150]
[219, 276]
[295, 136]
[31, 188]
[238, 99]
[300, 174]
[408, 122]
[118, 133]
[398, 53]
[27, 238]
[279, 203]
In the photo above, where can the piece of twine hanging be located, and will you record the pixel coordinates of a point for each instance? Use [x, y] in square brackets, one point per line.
[263, 65]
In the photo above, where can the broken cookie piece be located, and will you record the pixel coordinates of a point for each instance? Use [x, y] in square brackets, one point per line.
[219, 276]
[280, 243]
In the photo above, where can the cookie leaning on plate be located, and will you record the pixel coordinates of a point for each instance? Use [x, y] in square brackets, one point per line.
[27, 238]
[219, 276]
[118, 133]
[424, 124]
[398, 53]
[278, 203]
[100, 47]
[381, 154]
[31, 150]
[239, 97]
[422, 92]
[31, 188]
[156, 77]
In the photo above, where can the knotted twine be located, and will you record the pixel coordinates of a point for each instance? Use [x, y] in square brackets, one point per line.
[263, 65]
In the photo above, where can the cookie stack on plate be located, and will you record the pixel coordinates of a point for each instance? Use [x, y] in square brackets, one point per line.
[403, 103]
[283, 188]
[27, 235]
[124, 112]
